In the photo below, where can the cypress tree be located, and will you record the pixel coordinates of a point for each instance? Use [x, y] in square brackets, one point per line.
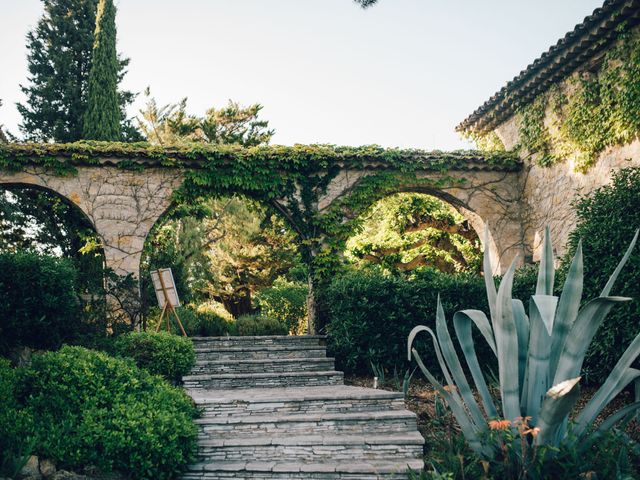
[60, 49]
[102, 117]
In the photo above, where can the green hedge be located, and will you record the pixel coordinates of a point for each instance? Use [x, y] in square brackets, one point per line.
[196, 322]
[160, 353]
[40, 307]
[247, 325]
[607, 221]
[371, 314]
[92, 409]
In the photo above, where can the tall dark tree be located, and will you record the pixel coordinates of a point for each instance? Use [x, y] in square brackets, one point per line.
[59, 61]
[102, 117]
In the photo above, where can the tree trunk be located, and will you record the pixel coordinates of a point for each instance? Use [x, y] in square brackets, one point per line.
[312, 309]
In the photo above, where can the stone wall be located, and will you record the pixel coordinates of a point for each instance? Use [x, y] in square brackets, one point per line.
[549, 191]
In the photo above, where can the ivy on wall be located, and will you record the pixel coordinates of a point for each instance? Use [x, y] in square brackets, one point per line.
[587, 113]
[291, 179]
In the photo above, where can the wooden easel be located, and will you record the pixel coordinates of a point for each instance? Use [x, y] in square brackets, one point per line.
[171, 308]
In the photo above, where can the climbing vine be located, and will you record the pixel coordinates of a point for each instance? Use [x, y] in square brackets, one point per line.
[586, 114]
[290, 179]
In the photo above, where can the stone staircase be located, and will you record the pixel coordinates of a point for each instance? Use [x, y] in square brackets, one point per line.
[274, 407]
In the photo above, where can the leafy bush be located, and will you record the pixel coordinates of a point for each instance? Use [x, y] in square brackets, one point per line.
[15, 442]
[371, 314]
[197, 322]
[40, 307]
[287, 303]
[248, 325]
[159, 353]
[607, 220]
[92, 409]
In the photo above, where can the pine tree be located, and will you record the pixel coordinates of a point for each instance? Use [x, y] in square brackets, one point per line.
[102, 117]
[59, 60]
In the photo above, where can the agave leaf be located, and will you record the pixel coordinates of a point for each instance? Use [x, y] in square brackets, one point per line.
[546, 272]
[542, 309]
[557, 404]
[449, 354]
[522, 330]
[621, 376]
[469, 429]
[614, 418]
[507, 347]
[579, 338]
[462, 325]
[567, 308]
[488, 276]
[614, 276]
[436, 347]
[481, 321]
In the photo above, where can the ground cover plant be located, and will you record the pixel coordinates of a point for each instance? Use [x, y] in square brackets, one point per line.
[540, 357]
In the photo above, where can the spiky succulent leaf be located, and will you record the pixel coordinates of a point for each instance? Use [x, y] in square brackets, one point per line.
[522, 329]
[556, 406]
[614, 276]
[546, 272]
[568, 308]
[507, 347]
[451, 357]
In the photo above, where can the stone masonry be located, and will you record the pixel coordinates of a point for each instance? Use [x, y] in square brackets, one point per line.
[275, 408]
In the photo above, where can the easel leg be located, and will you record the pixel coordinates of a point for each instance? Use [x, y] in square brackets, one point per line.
[164, 309]
[178, 319]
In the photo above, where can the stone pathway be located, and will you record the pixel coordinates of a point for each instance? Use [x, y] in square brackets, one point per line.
[275, 408]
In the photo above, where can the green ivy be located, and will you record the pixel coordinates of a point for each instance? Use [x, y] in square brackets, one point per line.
[587, 114]
[290, 179]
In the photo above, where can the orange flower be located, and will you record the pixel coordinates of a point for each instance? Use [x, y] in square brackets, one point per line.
[499, 424]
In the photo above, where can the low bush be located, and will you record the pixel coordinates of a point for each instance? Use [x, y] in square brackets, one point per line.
[197, 322]
[286, 302]
[371, 314]
[160, 353]
[248, 325]
[92, 409]
[40, 307]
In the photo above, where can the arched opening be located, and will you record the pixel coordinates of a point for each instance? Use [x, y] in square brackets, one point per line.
[408, 230]
[231, 256]
[34, 218]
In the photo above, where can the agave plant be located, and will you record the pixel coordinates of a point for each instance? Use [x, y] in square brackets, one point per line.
[539, 356]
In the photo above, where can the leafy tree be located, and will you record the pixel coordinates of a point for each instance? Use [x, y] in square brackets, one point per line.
[102, 117]
[233, 124]
[59, 62]
[366, 3]
[225, 249]
[3, 137]
[407, 231]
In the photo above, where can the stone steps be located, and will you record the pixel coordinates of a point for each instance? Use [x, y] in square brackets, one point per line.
[263, 380]
[271, 470]
[307, 424]
[282, 401]
[262, 365]
[275, 408]
[251, 352]
[312, 448]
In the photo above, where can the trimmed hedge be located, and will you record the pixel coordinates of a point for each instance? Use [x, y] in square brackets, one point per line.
[607, 221]
[40, 307]
[248, 325]
[371, 314]
[92, 409]
[160, 353]
[197, 322]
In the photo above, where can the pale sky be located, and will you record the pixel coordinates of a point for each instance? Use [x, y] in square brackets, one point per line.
[403, 73]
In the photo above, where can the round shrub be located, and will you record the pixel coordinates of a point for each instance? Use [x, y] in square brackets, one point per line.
[92, 409]
[248, 325]
[607, 221]
[15, 424]
[40, 307]
[159, 353]
[286, 302]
